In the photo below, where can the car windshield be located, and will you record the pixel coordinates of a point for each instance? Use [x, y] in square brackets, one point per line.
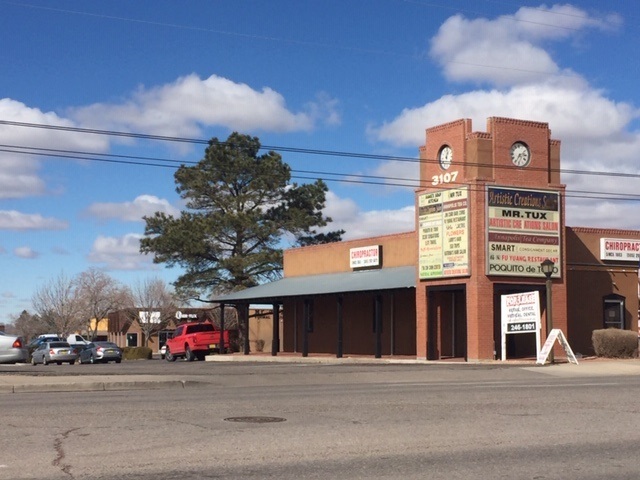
[58, 344]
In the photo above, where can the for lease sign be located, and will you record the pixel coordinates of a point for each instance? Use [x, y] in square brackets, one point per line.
[520, 312]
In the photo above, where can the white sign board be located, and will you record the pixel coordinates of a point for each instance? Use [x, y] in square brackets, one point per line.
[364, 256]
[556, 334]
[520, 313]
[622, 249]
[149, 317]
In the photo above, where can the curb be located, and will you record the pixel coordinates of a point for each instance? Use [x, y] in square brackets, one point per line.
[94, 386]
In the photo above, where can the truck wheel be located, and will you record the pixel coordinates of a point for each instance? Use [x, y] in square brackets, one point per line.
[168, 356]
[188, 354]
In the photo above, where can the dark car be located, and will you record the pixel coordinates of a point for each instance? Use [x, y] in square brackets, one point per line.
[54, 352]
[101, 352]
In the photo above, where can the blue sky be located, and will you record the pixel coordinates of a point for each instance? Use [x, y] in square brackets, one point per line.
[359, 76]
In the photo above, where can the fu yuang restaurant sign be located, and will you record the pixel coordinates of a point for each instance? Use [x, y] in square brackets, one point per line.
[622, 249]
[523, 230]
[363, 257]
[443, 233]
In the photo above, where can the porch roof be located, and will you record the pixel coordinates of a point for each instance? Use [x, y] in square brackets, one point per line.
[347, 282]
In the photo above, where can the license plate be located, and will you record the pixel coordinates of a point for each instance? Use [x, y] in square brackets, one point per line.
[108, 351]
[63, 352]
[213, 345]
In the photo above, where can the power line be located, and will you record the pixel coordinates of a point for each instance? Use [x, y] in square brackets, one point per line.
[352, 178]
[307, 151]
[254, 36]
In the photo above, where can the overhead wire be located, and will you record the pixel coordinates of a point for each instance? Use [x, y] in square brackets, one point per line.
[352, 178]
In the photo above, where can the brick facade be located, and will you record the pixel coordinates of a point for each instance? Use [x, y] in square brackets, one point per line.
[449, 316]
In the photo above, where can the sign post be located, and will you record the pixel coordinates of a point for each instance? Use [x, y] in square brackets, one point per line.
[520, 313]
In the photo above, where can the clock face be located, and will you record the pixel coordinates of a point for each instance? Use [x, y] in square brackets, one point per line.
[520, 155]
[445, 156]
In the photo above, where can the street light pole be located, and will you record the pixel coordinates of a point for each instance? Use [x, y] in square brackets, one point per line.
[547, 268]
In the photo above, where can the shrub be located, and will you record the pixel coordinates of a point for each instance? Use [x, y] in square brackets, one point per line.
[137, 353]
[615, 343]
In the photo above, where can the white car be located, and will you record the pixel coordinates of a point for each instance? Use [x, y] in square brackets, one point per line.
[12, 349]
[76, 339]
[163, 351]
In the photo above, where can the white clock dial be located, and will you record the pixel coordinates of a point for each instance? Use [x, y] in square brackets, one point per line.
[445, 157]
[520, 155]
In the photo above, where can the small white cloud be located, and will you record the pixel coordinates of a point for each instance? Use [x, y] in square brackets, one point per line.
[13, 220]
[120, 253]
[509, 50]
[356, 223]
[25, 252]
[143, 205]
[19, 171]
[181, 108]
[573, 111]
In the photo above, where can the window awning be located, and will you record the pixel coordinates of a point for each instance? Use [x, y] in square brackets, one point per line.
[333, 283]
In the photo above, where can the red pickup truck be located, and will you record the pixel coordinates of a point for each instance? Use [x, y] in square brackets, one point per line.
[194, 341]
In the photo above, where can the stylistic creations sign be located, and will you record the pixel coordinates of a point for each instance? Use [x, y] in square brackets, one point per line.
[523, 230]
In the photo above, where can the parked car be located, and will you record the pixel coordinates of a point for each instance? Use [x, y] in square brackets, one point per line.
[75, 339]
[54, 352]
[101, 352]
[37, 342]
[12, 349]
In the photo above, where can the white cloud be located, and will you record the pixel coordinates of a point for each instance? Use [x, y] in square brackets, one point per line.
[573, 111]
[13, 220]
[143, 205]
[25, 252]
[347, 215]
[182, 107]
[509, 50]
[120, 253]
[19, 170]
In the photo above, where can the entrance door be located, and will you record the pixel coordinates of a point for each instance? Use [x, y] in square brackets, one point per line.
[447, 325]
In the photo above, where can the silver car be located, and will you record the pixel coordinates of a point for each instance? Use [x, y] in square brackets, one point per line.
[54, 352]
[101, 352]
[12, 349]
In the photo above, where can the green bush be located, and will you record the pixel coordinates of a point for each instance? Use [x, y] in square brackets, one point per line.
[615, 343]
[137, 353]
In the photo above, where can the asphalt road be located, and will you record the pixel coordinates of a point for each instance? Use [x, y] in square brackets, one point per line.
[325, 422]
